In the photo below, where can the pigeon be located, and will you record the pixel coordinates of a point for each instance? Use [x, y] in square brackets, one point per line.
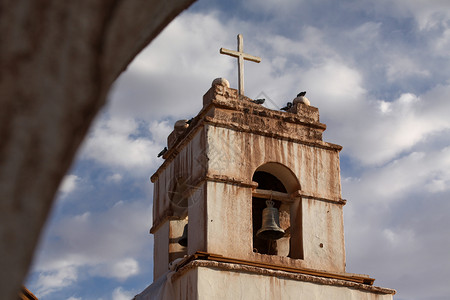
[301, 94]
[288, 105]
[258, 101]
[162, 152]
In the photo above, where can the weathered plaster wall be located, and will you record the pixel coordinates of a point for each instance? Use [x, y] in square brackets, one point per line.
[166, 235]
[197, 221]
[323, 235]
[219, 152]
[217, 155]
[179, 192]
[189, 167]
[238, 154]
[211, 283]
[161, 251]
[218, 284]
[229, 220]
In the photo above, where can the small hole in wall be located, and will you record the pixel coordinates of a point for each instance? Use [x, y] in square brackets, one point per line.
[321, 245]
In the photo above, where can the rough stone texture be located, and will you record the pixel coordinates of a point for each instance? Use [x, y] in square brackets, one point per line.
[221, 81]
[301, 99]
[58, 60]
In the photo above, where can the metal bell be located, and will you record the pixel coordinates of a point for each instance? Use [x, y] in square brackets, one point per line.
[270, 229]
[183, 240]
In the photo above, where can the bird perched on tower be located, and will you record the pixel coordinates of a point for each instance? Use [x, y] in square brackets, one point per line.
[301, 98]
[288, 105]
[259, 101]
[162, 152]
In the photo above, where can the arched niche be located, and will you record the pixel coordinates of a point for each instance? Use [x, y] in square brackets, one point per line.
[278, 183]
[283, 174]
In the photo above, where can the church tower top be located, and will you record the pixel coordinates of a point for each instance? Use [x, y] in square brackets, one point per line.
[222, 166]
[251, 196]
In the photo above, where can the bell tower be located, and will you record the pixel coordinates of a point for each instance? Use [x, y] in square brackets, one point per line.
[247, 205]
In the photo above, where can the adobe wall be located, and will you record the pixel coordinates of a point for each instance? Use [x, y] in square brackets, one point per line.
[236, 156]
[211, 280]
[217, 155]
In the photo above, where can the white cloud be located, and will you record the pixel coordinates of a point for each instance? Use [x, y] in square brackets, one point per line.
[343, 90]
[51, 281]
[376, 131]
[280, 6]
[383, 240]
[397, 214]
[170, 77]
[366, 35]
[442, 44]
[121, 294]
[103, 236]
[400, 67]
[116, 143]
[125, 268]
[68, 184]
[414, 173]
[428, 14]
[106, 244]
[312, 45]
[385, 107]
[399, 239]
[160, 131]
[124, 145]
[119, 270]
[114, 178]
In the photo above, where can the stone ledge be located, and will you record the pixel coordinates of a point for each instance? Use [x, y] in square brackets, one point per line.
[186, 138]
[240, 128]
[309, 118]
[169, 213]
[236, 267]
[222, 98]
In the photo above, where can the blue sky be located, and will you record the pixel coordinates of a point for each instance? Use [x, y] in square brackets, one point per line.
[377, 70]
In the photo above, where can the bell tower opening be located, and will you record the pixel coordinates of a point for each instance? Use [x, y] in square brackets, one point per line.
[263, 205]
[268, 183]
[271, 192]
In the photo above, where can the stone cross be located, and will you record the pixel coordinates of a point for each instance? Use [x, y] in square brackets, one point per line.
[241, 56]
